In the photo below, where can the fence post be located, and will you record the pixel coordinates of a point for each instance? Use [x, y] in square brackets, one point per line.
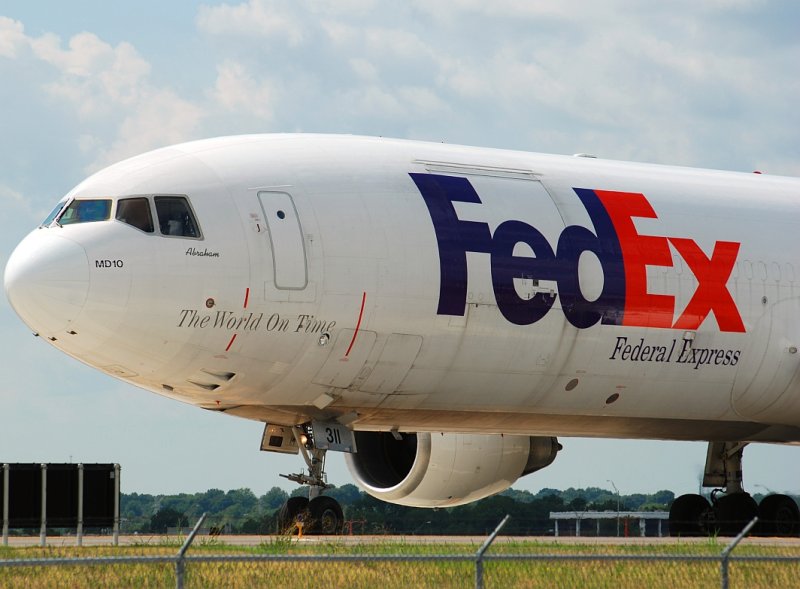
[43, 513]
[180, 563]
[79, 533]
[723, 565]
[5, 505]
[484, 547]
[116, 505]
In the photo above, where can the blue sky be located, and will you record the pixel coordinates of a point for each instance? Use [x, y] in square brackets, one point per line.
[709, 83]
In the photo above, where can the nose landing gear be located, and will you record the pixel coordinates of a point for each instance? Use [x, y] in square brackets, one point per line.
[317, 514]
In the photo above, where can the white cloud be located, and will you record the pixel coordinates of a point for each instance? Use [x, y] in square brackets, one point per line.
[373, 101]
[160, 118]
[256, 17]
[349, 7]
[85, 55]
[14, 200]
[420, 99]
[639, 81]
[109, 89]
[12, 36]
[396, 42]
[364, 69]
[95, 76]
[574, 11]
[237, 90]
[340, 33]
[730, 4]
[294, 22]
[634, 81]
[9, 194]
[514, 9]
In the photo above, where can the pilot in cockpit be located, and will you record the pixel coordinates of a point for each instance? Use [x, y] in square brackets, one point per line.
[135, 212]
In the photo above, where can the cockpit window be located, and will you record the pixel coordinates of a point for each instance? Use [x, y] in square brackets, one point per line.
[86, 211]
[135, 212]
[175, 217]
[54, 213]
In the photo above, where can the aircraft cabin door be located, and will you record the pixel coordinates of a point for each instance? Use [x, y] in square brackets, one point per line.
[286, 238]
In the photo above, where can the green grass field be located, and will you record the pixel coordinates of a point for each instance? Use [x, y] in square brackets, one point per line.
[574, 566]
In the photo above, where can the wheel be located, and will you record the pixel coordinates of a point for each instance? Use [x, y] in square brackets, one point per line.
[689, 515]
[325, 516]
[734, 512]
[295, 508]
[779, 516]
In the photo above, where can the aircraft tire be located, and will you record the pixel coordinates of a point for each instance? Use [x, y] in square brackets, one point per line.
[326, 516]
[779, 516]
[295, 508]
[688, 516]
[734, 512]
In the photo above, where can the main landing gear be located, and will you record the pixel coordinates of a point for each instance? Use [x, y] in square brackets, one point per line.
[731, 508]
[317, 514]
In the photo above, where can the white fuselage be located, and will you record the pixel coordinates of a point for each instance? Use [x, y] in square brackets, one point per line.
[358, 278]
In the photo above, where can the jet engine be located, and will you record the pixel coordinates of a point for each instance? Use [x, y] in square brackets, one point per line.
[444, 469]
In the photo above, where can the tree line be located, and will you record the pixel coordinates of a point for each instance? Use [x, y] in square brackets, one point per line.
[241, 511]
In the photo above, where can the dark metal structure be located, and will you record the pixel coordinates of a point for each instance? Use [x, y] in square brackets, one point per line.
[60, 496]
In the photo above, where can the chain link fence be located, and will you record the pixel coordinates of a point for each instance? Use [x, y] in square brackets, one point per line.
[289, 562]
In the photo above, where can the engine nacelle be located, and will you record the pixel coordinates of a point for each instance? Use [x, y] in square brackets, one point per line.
[443, 470]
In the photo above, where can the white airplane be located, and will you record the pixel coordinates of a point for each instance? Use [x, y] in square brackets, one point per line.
[440, 313]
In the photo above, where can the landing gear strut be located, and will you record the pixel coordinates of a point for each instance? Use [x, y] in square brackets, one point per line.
[731, 508]
[317, 514]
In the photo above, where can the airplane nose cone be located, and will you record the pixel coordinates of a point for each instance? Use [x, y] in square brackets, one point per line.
[47, 281]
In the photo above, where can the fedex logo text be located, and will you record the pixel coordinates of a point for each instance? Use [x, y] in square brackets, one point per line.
[623, 253]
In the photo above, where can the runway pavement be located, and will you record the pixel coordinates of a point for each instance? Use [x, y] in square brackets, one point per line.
[472, 541]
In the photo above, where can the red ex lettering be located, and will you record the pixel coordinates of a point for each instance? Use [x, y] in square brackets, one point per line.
[644, 309]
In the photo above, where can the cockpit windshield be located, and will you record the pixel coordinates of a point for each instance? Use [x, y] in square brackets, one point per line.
[173, 214]
[86, 211]
[175, 217]
[135, 212]
[54, 213]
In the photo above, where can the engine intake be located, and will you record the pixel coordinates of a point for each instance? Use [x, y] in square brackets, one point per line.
[444, 469]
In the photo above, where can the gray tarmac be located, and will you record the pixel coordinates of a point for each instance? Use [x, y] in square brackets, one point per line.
[470, 541]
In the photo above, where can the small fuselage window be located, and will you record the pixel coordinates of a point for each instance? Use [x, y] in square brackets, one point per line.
[135, 212]
[175, 217]
[86, 211]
